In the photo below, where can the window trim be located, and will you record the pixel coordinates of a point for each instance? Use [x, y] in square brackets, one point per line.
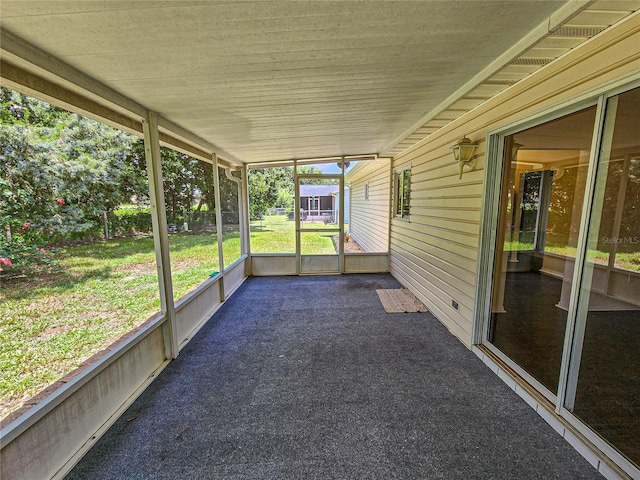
[399, 179]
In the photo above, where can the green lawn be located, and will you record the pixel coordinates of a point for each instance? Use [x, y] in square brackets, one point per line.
[277, 234]
[273, 234]
[625, 261]
[52, 321]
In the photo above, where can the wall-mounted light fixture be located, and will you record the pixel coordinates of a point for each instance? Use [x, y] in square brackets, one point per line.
[463, 153]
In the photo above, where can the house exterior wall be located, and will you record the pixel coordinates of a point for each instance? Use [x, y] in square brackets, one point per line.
[369, 219]
[327, 203]
[435, 253]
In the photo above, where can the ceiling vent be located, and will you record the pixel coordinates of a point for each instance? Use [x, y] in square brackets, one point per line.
[530, 61]
[582, 32]
[506, 83]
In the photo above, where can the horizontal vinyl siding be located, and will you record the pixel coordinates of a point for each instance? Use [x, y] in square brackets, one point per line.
[369, 219]
[435, 253]
[410, 278]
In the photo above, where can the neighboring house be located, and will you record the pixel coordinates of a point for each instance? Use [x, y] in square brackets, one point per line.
[318, 202]
[368, 204]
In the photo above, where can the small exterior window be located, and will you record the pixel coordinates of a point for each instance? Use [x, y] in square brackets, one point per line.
[366, 191]
[402, 193]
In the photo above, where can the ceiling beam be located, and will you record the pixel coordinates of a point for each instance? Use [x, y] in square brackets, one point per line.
[28, 83]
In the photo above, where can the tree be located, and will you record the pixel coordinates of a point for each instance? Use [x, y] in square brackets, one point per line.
[268, 188]
[205, 183]
[285, 198]
[59, 173]
[187, 181]
[179, 183]
[134, 185]
[312, 169]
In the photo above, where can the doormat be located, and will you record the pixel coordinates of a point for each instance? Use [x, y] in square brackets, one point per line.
[399, 300]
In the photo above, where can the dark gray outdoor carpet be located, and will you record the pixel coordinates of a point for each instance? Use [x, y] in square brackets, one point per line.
[309, 378]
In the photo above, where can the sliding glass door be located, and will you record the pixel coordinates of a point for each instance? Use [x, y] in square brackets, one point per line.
[565, 294]
[543, 190]
[604, 376]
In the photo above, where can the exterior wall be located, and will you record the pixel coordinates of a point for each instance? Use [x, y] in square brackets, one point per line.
[369, 225]
[434, 254]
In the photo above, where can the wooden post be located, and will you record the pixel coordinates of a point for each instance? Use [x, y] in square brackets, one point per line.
[105, 220]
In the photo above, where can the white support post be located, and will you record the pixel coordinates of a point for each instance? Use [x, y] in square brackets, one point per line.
[296, 211]
[542, 219]
[341, 220]
[245, 226]
[617, 220]
[216, 183]
[160, 235]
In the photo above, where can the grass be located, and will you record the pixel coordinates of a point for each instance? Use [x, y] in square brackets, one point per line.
[624, 261]
[317, 243]
[273, 234]
[52, 321]
[277, 234]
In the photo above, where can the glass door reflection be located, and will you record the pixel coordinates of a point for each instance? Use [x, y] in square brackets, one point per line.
[543, 189]
[604, 380]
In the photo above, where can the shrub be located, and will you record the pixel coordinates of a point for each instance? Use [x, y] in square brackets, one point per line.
[125, 221]
[19, 257]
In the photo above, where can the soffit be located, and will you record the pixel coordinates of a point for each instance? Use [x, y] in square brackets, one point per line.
[591, 21]
[280, 80]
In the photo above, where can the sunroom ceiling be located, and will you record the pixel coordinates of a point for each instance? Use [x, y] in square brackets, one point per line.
[267, 81]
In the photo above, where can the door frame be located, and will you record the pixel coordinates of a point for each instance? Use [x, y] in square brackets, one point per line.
[319, 263]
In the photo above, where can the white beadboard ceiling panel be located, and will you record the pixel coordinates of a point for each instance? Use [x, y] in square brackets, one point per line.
[268, 81]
